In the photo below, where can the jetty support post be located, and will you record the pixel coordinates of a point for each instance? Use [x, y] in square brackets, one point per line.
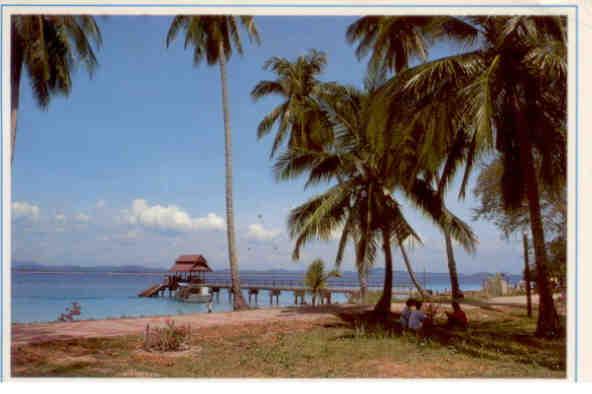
[255, 292]
[274, 293]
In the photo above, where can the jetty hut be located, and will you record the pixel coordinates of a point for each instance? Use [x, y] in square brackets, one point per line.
[189, 268]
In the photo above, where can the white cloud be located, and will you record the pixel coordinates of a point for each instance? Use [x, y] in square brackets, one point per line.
[60, 218]
[82, 218]
[24, 210]
[101, 204]
[258, 232]
[169, 217]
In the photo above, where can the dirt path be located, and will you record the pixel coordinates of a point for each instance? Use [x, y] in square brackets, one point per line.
[43, 332]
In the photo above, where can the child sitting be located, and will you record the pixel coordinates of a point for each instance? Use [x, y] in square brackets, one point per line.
[457, 318]
[417, 317]
[405, 313]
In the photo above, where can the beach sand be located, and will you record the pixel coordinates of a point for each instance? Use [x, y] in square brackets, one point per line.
[26, 333]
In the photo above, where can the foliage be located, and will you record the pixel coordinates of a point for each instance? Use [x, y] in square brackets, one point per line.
[316, 277]
[48, 47]
[488, 191]
[297, 116]
[72, 311]
[212, 35]
[168, 338]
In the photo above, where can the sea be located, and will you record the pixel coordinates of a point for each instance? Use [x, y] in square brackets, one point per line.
[42, 296]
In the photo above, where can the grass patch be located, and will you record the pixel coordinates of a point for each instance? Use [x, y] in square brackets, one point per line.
[498, 344]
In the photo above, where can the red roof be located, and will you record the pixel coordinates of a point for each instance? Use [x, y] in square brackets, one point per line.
[191, 263]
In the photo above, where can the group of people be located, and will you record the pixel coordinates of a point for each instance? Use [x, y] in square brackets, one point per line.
[414, 319]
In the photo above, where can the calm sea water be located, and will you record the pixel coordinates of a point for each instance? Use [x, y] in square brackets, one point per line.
[41, 297]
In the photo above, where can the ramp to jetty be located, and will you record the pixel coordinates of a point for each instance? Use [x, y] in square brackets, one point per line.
[152, 291]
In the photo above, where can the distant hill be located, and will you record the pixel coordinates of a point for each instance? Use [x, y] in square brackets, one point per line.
[34, 266]
[26, 266]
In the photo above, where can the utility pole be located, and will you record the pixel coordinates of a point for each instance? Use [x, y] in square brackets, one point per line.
[527, 275]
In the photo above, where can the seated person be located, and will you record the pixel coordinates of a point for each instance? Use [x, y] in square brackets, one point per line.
[457, 318]
[417, 317]
[406, 312]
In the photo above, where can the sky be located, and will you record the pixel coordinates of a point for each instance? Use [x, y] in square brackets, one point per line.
[129, 169]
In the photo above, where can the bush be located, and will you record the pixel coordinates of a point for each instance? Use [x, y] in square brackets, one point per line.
[167, 338]
[74, 310]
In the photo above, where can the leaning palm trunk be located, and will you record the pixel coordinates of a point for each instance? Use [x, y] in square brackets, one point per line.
[455, 287]
[419, 288]
[239, 301]
[383, 307]
[16, 67]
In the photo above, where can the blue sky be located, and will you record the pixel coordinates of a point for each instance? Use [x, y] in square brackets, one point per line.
[129, 168]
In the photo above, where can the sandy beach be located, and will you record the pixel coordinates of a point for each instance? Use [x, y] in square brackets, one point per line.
[43, 332]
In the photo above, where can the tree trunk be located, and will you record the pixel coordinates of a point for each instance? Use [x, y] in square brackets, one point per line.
[383, 307]
[16, 67]
[363, 279]
[239, 301]
[527, 276]
[456, 291]
[419, 288]
[548, 320]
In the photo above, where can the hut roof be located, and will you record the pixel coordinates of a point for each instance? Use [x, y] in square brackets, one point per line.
[191, 263]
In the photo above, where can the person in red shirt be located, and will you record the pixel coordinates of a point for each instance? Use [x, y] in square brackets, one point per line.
[457, 318]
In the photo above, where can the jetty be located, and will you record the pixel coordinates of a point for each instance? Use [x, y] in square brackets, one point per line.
[194, 270]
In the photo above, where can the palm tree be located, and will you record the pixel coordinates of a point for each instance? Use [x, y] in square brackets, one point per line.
[316, 278]
[214, 38]
[368, 167]
[498, 97]
[47, 47]
[393, 42]
[298, 86]
[351, 107]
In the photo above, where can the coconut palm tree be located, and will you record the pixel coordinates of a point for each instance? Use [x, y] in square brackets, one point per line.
[368, 167]
[215, 38]
[298, 86]
[350, 107]
[48, 47]
[508, 95]
[316, 278]
[393, 42]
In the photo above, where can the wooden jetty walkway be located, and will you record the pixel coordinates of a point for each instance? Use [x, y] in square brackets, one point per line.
[274, 289]
[193, 272]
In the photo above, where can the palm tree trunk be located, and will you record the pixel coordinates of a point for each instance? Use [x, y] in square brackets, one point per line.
[239, 301]
[548, 320]
[419, 288]
[16, 67]
[456, 291]
[527, 276]
[383, 307]
[363, 279]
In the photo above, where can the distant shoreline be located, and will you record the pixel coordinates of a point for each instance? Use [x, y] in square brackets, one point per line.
[88, 272]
